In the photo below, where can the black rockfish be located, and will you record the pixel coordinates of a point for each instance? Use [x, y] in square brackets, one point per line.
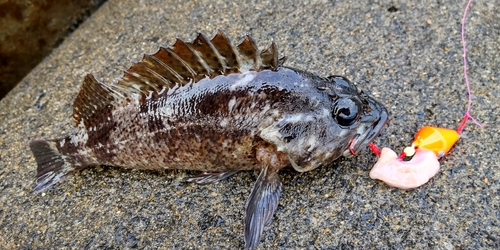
[210, 106]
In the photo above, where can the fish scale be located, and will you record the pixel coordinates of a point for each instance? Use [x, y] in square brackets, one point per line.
[210, 106]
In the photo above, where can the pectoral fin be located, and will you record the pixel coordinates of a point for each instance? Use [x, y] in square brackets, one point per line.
[261, 205]
[209, 177]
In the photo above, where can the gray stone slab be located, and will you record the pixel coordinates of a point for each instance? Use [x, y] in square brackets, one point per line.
[409, 59]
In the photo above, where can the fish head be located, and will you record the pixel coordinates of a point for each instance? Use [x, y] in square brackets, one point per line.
[356, 111]
[330, 120]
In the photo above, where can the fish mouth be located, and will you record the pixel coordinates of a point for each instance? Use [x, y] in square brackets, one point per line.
[376, 118]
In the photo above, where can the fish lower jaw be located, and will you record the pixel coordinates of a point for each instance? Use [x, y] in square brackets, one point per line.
[347, 154]
[360, 140]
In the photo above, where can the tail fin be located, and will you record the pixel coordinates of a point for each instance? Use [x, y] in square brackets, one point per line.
[52, 164]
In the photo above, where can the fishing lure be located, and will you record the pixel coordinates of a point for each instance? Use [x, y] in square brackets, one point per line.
[429, 145]
[405, 174]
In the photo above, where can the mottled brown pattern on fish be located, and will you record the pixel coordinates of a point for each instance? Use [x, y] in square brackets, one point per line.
[200, 133]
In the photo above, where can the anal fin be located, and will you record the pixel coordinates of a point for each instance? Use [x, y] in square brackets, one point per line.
[210, 177]
[261, 206]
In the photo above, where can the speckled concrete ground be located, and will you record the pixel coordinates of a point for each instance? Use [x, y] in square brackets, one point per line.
[408, 56]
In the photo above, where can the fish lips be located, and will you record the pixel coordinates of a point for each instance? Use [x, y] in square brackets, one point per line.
[376, 117]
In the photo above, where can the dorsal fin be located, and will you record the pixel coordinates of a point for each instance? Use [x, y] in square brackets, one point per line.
[269, 57]
[208, 53]
[248, 55]
[226, 51]
[178, 65]
[93, 99]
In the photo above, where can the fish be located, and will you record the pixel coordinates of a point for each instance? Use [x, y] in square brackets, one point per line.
[210, 106]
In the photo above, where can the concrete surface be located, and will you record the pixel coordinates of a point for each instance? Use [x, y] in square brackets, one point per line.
[409, 58]
[29, 30]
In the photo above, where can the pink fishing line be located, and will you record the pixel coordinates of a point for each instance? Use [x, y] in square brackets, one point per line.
[467, 115]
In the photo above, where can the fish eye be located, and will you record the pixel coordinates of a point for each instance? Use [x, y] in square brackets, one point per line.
[346, 112]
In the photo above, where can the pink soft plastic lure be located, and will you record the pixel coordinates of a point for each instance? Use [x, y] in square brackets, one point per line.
[405, 174]
[429, 144]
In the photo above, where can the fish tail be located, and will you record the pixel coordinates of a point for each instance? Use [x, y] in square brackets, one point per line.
[53, 165]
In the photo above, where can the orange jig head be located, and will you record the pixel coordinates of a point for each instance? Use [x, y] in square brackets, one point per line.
[438, 140]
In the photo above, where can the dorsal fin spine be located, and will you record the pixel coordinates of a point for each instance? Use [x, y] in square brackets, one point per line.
[175, 74]
[134, 82]
[193, 73]
[226, 50]
[247, 54]
[221, 59]
[179, 45]
[202, 39]
[210, 71]
[165, 81]
[158, 66]
[257, 60]
[269, 57]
